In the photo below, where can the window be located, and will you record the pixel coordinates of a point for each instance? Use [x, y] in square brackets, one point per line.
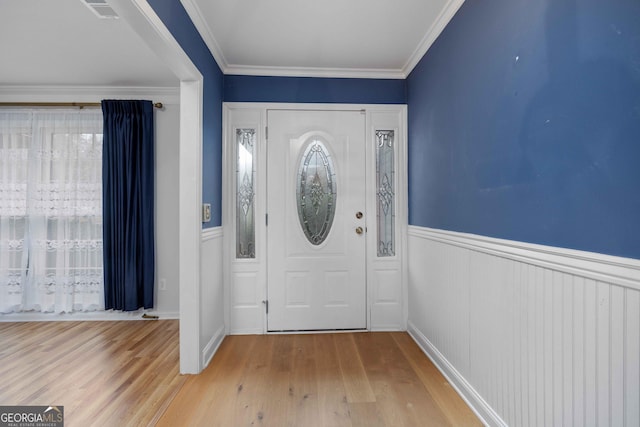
[385, 194]
[316, 192]
[51, 210]
[245, 193]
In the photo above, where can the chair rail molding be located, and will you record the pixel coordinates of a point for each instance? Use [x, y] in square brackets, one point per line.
[611, 269]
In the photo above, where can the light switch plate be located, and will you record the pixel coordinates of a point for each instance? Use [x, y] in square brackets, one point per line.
[206, 212]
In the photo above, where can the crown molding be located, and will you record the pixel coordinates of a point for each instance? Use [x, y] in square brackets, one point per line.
[167, 95]
[205, 32]
[447, 13]
[361, 73]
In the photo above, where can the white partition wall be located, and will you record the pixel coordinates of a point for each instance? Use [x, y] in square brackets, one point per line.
[530, 335]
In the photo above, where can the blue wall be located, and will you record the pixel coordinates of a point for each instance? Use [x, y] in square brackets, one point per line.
[177, 20]
[320, 90]
[524, 124]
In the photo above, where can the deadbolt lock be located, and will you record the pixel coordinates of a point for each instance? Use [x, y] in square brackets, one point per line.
[358, 215]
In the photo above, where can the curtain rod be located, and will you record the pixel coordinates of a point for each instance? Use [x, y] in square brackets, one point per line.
[80, 105]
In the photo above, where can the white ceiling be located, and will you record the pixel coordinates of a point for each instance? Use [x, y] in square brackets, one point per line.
[61, 42]
[337, 38]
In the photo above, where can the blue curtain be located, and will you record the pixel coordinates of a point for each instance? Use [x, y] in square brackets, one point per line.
[128, 186]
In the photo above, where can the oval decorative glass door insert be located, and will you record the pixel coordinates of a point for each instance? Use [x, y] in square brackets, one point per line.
[316, 192]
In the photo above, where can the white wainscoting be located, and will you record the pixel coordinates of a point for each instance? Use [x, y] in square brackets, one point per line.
[530, 335]
[212, 327]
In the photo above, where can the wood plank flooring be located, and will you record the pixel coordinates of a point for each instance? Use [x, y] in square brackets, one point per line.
[125, 373]
[121, 373]
[348, 379]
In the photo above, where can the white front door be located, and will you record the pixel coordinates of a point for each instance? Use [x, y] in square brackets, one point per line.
[316, 277]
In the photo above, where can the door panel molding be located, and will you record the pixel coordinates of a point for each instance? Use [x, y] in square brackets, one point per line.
[246, 279]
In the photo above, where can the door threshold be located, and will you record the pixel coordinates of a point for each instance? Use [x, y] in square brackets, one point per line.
[316, 331]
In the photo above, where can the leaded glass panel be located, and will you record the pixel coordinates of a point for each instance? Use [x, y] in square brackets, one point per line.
[245, 193]
[385, 184]
[316, 192]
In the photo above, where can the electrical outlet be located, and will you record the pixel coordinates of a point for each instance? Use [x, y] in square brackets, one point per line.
[206, 212]
[162, 284]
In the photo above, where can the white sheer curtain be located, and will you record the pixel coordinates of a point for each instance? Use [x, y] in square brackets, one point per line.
[51, 211]
[15, 137]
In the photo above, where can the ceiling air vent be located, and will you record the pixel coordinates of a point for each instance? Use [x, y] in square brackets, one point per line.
[101, 9]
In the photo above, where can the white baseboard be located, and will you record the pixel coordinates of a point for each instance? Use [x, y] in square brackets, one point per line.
[457, 381]
[85, 316]
[247, 331]
[212, 347]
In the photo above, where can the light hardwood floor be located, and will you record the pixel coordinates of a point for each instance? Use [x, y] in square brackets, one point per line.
[126, 374]
[104, 373]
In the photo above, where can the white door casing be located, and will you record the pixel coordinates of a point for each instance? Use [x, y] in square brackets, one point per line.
[245, 279]
[316, 285]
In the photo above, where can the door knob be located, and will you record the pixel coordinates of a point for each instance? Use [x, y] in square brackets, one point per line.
[358, 215]
[359, 230]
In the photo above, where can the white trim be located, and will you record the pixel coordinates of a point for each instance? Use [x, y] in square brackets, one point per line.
[211, 233]
[192, 9]
[314, 332]
[168, 95]
[85, 316]
[615, 270]
[310, 106]
[212, 346]
[446, 15]
[353, 73]
[403, 209]
[226, 221]
[477, 404]
[190, 225]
